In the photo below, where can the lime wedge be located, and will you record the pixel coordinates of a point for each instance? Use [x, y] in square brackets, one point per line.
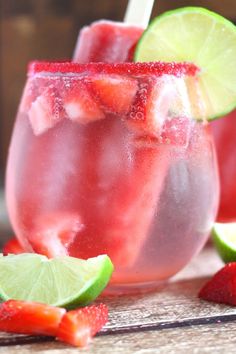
[224, 238]
[197, 35]
[64, 281]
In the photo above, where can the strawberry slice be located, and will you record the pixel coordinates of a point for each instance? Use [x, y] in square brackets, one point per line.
[222, 287]
[79, 105]
[30, 317]
[150, 108]
[115, 94]
[46, 111]
[12, 246]
[79, 326]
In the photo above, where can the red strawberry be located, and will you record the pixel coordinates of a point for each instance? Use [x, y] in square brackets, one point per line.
[115, 93]
[29, 95]
[150, 108]
[12, 246]
[79, 105]
[46, 111]
[79, 326]
[222, 287]
[30, 317]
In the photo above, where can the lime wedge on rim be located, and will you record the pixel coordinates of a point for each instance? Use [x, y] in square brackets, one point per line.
[197, 35]
[224, 238]
[64, 281]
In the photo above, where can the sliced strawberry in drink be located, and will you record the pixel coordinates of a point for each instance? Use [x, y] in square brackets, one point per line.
[46, 111]
[222, 287]
[79, 105]
[29, 95]
[53, 233]
[150, 107]
[79, 326]
[28, 317]
[12, 246]
[115, 93]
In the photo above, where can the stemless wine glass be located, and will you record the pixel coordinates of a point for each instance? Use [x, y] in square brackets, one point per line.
[107, 158]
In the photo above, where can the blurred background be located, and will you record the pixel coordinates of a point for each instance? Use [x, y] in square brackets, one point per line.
[47, 29]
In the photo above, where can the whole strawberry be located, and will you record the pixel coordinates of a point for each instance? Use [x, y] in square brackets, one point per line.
[222, 287]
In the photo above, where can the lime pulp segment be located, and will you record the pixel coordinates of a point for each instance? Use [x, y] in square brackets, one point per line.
[197, 35]
[224, 238]
[64, 281]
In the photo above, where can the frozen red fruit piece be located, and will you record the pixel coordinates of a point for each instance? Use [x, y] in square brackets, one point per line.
[12, 246]
[77, 327]
[115, 93]
[53, 233]
[222, 287]
[30, 317]
[78, 103]
[106, 41]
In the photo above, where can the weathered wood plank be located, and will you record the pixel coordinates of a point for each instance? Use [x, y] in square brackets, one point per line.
[217, 339]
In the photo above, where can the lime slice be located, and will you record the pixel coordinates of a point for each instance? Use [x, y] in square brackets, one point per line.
[64, 281]
[205, 38]
[224, 238]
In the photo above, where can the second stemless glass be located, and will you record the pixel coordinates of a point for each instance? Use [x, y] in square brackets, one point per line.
[107, 158]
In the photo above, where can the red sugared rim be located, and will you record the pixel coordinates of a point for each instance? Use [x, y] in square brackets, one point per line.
[152, 68]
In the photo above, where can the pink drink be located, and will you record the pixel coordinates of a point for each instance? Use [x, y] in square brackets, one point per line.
[105, 158]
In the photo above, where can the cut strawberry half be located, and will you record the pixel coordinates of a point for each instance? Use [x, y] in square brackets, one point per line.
[222, 287]
[79, 326]
[30, 317]
[54, 233]
[46, 111]
[12, 246]
[79, 105]
[115, 93]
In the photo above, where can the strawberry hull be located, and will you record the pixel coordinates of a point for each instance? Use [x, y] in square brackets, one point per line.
[105, 179]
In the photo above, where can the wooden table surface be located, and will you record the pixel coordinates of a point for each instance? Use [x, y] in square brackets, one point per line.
[170, 320]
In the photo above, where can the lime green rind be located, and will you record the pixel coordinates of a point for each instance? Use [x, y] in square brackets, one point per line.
[222, 240]
[92, 290]
[36, 278]
[174, 36]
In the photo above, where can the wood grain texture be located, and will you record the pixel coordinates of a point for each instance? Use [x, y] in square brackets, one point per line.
[217, 339]
[172, 302]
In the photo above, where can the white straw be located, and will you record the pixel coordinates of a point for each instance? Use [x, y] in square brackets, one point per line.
[138, 12]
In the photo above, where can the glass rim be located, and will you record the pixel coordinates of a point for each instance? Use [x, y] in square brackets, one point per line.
[64, 68]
